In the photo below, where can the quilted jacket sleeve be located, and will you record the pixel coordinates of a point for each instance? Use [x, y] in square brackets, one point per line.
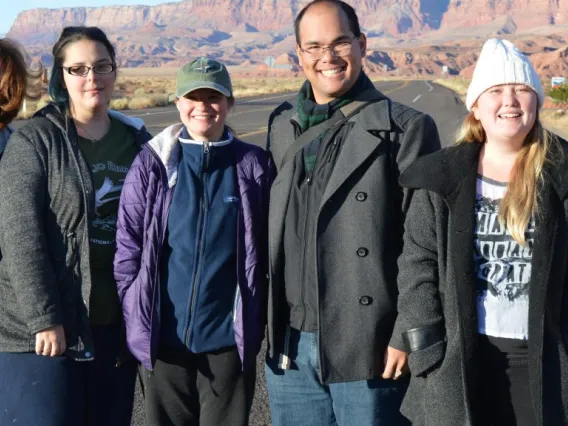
[130, 225]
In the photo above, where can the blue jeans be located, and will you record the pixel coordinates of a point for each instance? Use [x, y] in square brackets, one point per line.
[297, 396]
[58, 391]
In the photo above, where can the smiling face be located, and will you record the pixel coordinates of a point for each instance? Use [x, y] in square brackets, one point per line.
[203, 112]
[331, 76]
[507, 113]
[92, 92]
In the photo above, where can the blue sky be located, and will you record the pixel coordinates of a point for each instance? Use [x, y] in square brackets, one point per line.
[11, 8]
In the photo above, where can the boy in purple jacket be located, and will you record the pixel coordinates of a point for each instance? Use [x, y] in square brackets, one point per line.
[191, 259]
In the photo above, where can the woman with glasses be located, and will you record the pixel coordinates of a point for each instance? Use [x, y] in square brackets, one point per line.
[61, 177]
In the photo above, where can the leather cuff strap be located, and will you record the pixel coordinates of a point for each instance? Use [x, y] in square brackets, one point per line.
[420, 338]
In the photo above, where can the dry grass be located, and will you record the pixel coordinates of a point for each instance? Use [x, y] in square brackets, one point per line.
[119, 103]
[147, 72]
[556, 121]
[30, 107]
[457, 84]
[256, 86]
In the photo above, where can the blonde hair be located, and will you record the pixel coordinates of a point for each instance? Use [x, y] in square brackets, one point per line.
[521, 199]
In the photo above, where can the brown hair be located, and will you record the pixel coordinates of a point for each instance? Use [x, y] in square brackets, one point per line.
[521, 199]
[16, 81]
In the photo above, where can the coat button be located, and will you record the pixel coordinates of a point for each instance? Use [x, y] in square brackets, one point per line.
[361, 196]
[362, 252]
[365, 300]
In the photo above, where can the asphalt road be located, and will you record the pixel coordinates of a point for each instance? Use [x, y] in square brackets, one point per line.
[249, 119]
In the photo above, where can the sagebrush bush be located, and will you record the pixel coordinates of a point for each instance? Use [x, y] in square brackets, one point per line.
[559, 93]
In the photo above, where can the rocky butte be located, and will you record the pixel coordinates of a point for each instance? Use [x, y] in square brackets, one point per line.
[405, 36]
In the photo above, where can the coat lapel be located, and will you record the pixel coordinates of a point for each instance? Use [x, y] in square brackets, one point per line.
[279, 195]
[357, 147]
[461, 204]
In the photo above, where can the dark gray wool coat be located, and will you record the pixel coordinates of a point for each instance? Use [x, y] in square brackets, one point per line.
[436, 285]
[361, 210]
[47, 203]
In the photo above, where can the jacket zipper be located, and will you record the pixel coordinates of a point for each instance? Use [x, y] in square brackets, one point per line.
[238, 292]
[200, 238]
[157, 289]
[72, 238]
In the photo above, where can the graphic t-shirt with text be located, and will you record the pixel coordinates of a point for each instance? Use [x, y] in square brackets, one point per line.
[502, 268]
[110, 159]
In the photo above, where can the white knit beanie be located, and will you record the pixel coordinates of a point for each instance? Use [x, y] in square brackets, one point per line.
[500, 62]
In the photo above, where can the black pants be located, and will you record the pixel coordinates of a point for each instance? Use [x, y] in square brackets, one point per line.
[208, 389]
[504, 397]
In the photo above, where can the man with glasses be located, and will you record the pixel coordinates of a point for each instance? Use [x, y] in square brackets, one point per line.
[336, 224]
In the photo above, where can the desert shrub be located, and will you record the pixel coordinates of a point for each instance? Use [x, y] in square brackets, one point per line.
[119, 103]
[140, 102]
[139, 92]
[148, 101]
[559, 93]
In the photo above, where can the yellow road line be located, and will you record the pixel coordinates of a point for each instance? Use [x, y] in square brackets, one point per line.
[403, 85]
[256, 132]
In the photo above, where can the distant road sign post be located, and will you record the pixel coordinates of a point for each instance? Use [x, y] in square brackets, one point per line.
[557, 81]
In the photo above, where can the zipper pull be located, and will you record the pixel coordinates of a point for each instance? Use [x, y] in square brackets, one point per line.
[205, 154]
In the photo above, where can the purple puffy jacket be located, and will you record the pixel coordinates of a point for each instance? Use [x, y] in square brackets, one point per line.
[142, 222]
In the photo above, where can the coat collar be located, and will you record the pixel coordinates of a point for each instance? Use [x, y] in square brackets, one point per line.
[167, 148]
[444, 171]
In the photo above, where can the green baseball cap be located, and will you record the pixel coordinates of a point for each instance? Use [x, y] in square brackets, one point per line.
[203, 73]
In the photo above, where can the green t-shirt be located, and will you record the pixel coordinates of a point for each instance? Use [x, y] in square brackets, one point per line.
[109, 158]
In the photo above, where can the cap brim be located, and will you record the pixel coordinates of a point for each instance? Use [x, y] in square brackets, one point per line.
[181, 92]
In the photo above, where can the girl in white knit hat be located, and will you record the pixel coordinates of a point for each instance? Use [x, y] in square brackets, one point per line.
[483, 275]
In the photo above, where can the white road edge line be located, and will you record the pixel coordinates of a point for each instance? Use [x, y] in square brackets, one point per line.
[430, 87]
[416, 98]
[144, 114]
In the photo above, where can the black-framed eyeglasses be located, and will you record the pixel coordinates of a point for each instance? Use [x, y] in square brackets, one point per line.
[342, 48]
[83, 70]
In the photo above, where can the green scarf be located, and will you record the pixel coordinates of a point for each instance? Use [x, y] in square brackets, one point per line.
[311, 113]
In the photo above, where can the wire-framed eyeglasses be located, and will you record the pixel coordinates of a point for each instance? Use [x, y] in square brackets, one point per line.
[341, 48]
